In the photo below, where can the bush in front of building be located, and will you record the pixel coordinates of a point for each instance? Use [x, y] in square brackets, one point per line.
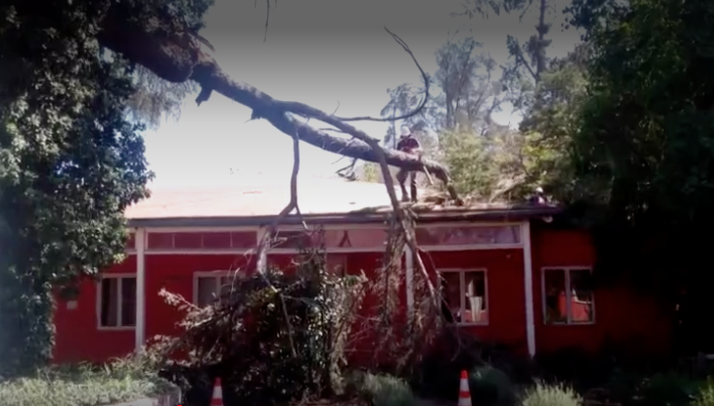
[273, 338]
[116, 382]
[381, 389]
[542, 394]
[490, 386]
[705, 395]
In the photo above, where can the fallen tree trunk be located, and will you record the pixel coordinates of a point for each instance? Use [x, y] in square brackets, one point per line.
[179, 57]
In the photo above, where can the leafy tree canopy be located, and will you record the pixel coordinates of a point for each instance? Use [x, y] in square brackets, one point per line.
[644, 141]
[71, 153]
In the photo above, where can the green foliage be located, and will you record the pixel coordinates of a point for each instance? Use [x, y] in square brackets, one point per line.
[644, 149]
[543, 394]
[83, 384]
[383, 390]
[490, 386]
[71, 160]
[666, 390]
[262, 357]
[705, 395]
[471, 164]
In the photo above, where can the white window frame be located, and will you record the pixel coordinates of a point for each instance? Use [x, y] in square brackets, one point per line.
[334, 227]
[470, 247]
[462, 282]
[209, 275]
[120, 278]
[194, 251]
[568, 296]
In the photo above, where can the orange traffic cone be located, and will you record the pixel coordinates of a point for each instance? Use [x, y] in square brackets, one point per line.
[217, 399]
[464, 393]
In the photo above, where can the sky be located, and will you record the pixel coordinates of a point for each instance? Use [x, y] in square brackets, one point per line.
[325, 53]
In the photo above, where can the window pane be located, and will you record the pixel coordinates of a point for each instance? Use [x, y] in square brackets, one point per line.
[244, 239]
[207, 288]
[128, 301]
[475, 297]
[160, 241]
[109, 301]
[217, 240]
[555, 300]
[581, 300]
[468, 235]
[188, 240]
[225, 289]
[452, 295]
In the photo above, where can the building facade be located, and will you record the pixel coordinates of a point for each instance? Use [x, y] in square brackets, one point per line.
[508, 276]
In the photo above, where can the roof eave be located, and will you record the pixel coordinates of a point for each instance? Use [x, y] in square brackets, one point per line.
[357, 217]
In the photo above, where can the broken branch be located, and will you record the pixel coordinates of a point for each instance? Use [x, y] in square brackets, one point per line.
[177, 60]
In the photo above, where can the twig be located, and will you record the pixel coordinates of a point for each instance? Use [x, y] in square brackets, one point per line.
[267, 19]
[425, 78]
[336, 108]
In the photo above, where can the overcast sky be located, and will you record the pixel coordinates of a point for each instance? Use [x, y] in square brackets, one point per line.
[320, 52]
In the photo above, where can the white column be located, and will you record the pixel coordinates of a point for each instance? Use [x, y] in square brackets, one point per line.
[140, 246]
[528, 286]
[409, 271]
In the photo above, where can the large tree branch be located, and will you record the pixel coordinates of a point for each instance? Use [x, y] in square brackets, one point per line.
[179, 58]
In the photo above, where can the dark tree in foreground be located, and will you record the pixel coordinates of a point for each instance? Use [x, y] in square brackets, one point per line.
[72, 160]
[70, 163]
[645, 146]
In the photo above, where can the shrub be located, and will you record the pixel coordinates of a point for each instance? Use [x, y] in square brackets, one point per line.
[542, 394]
[705, 395]
[261, 355]
[82, 385]
[491, 386]
[666, 390]
[383, 390]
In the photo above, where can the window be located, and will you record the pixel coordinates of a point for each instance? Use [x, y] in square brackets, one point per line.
[349, 239]
[568, 296]
[117, 302]
[202, 240]
[464, 294]
[209, 289]
[468, 235]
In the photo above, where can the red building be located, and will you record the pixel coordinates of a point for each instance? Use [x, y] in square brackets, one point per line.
[510, 276]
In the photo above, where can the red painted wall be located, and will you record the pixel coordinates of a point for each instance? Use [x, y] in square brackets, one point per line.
[175, 273]
[505, 291]
[621, 315]
[77, 335]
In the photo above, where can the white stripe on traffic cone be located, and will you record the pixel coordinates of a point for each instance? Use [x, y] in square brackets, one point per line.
[464, 392]
[217, 399]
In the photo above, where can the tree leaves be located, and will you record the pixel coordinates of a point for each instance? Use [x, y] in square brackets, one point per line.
[71, 163]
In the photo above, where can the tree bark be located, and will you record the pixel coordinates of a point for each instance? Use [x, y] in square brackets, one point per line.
[178, 58]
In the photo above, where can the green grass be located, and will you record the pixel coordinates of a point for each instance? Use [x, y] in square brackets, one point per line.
[82, 385]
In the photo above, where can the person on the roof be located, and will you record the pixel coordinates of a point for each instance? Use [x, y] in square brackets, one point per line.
[409, 145]
[538, 197]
